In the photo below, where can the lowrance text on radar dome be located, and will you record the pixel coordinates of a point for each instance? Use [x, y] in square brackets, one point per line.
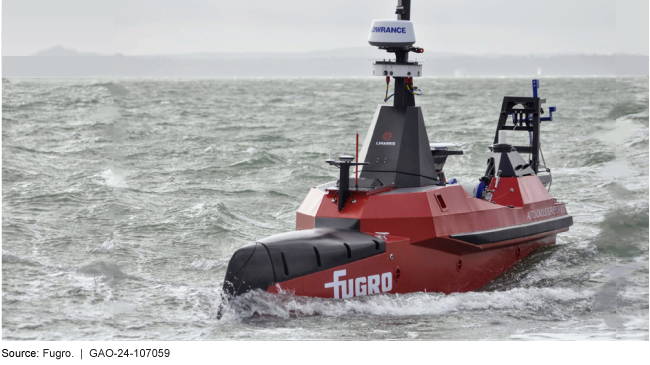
[545, 212]
[389, 30]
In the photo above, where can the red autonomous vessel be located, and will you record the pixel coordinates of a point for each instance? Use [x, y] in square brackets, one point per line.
[399, 226]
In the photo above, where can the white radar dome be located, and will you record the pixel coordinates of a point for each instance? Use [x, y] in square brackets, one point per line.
[391, 33]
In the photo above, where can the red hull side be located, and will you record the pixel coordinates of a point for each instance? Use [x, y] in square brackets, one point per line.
[420, 255]
[420, 269]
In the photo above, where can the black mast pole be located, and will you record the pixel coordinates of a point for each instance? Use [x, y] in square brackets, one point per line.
[403, 10]
[402, 96]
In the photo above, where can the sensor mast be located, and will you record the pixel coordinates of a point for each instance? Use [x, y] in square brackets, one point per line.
[397, 36]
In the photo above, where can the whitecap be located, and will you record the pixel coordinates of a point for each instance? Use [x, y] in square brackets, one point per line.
[203, 264]
[398, 305]
[113, 179]
[108, 245]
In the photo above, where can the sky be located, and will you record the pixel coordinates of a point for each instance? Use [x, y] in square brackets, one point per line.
[139, 27]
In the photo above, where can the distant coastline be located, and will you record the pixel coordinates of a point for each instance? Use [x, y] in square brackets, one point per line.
[61, 62]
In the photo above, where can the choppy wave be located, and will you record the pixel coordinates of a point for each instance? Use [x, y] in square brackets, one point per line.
[257, 160]
[105, 270]
[623, 230]
[26, 105]
[632, 328]
[540, 301]
[107, 246]
[10, 258]
[205, 264]
[105, 114]
[592, 158]
[58, 197]
[123, 201]
[453, 95]
[112, 179]
[116, 89]
[628, 107]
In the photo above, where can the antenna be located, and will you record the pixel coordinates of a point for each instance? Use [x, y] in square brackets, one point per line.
[403, 10]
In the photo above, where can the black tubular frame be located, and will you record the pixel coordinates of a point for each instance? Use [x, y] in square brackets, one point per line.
[527, 120]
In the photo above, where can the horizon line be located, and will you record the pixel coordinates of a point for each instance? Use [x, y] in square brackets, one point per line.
[358, 48]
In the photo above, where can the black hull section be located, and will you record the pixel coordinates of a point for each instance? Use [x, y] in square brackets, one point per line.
[249, 268]
[294, 254]
[514, 232]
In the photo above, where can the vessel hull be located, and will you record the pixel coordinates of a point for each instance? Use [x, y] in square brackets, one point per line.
[417, 269]
[424, 239]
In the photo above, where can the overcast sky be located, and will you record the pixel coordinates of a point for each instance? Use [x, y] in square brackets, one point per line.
[136, 27]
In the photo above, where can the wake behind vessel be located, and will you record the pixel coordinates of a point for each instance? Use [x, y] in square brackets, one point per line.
[398, 225]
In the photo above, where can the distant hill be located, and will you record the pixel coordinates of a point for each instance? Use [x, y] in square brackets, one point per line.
[60, 51]
[366, 53]
[61, 62]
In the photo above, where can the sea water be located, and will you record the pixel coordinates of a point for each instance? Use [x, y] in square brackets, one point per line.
[123, 200]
